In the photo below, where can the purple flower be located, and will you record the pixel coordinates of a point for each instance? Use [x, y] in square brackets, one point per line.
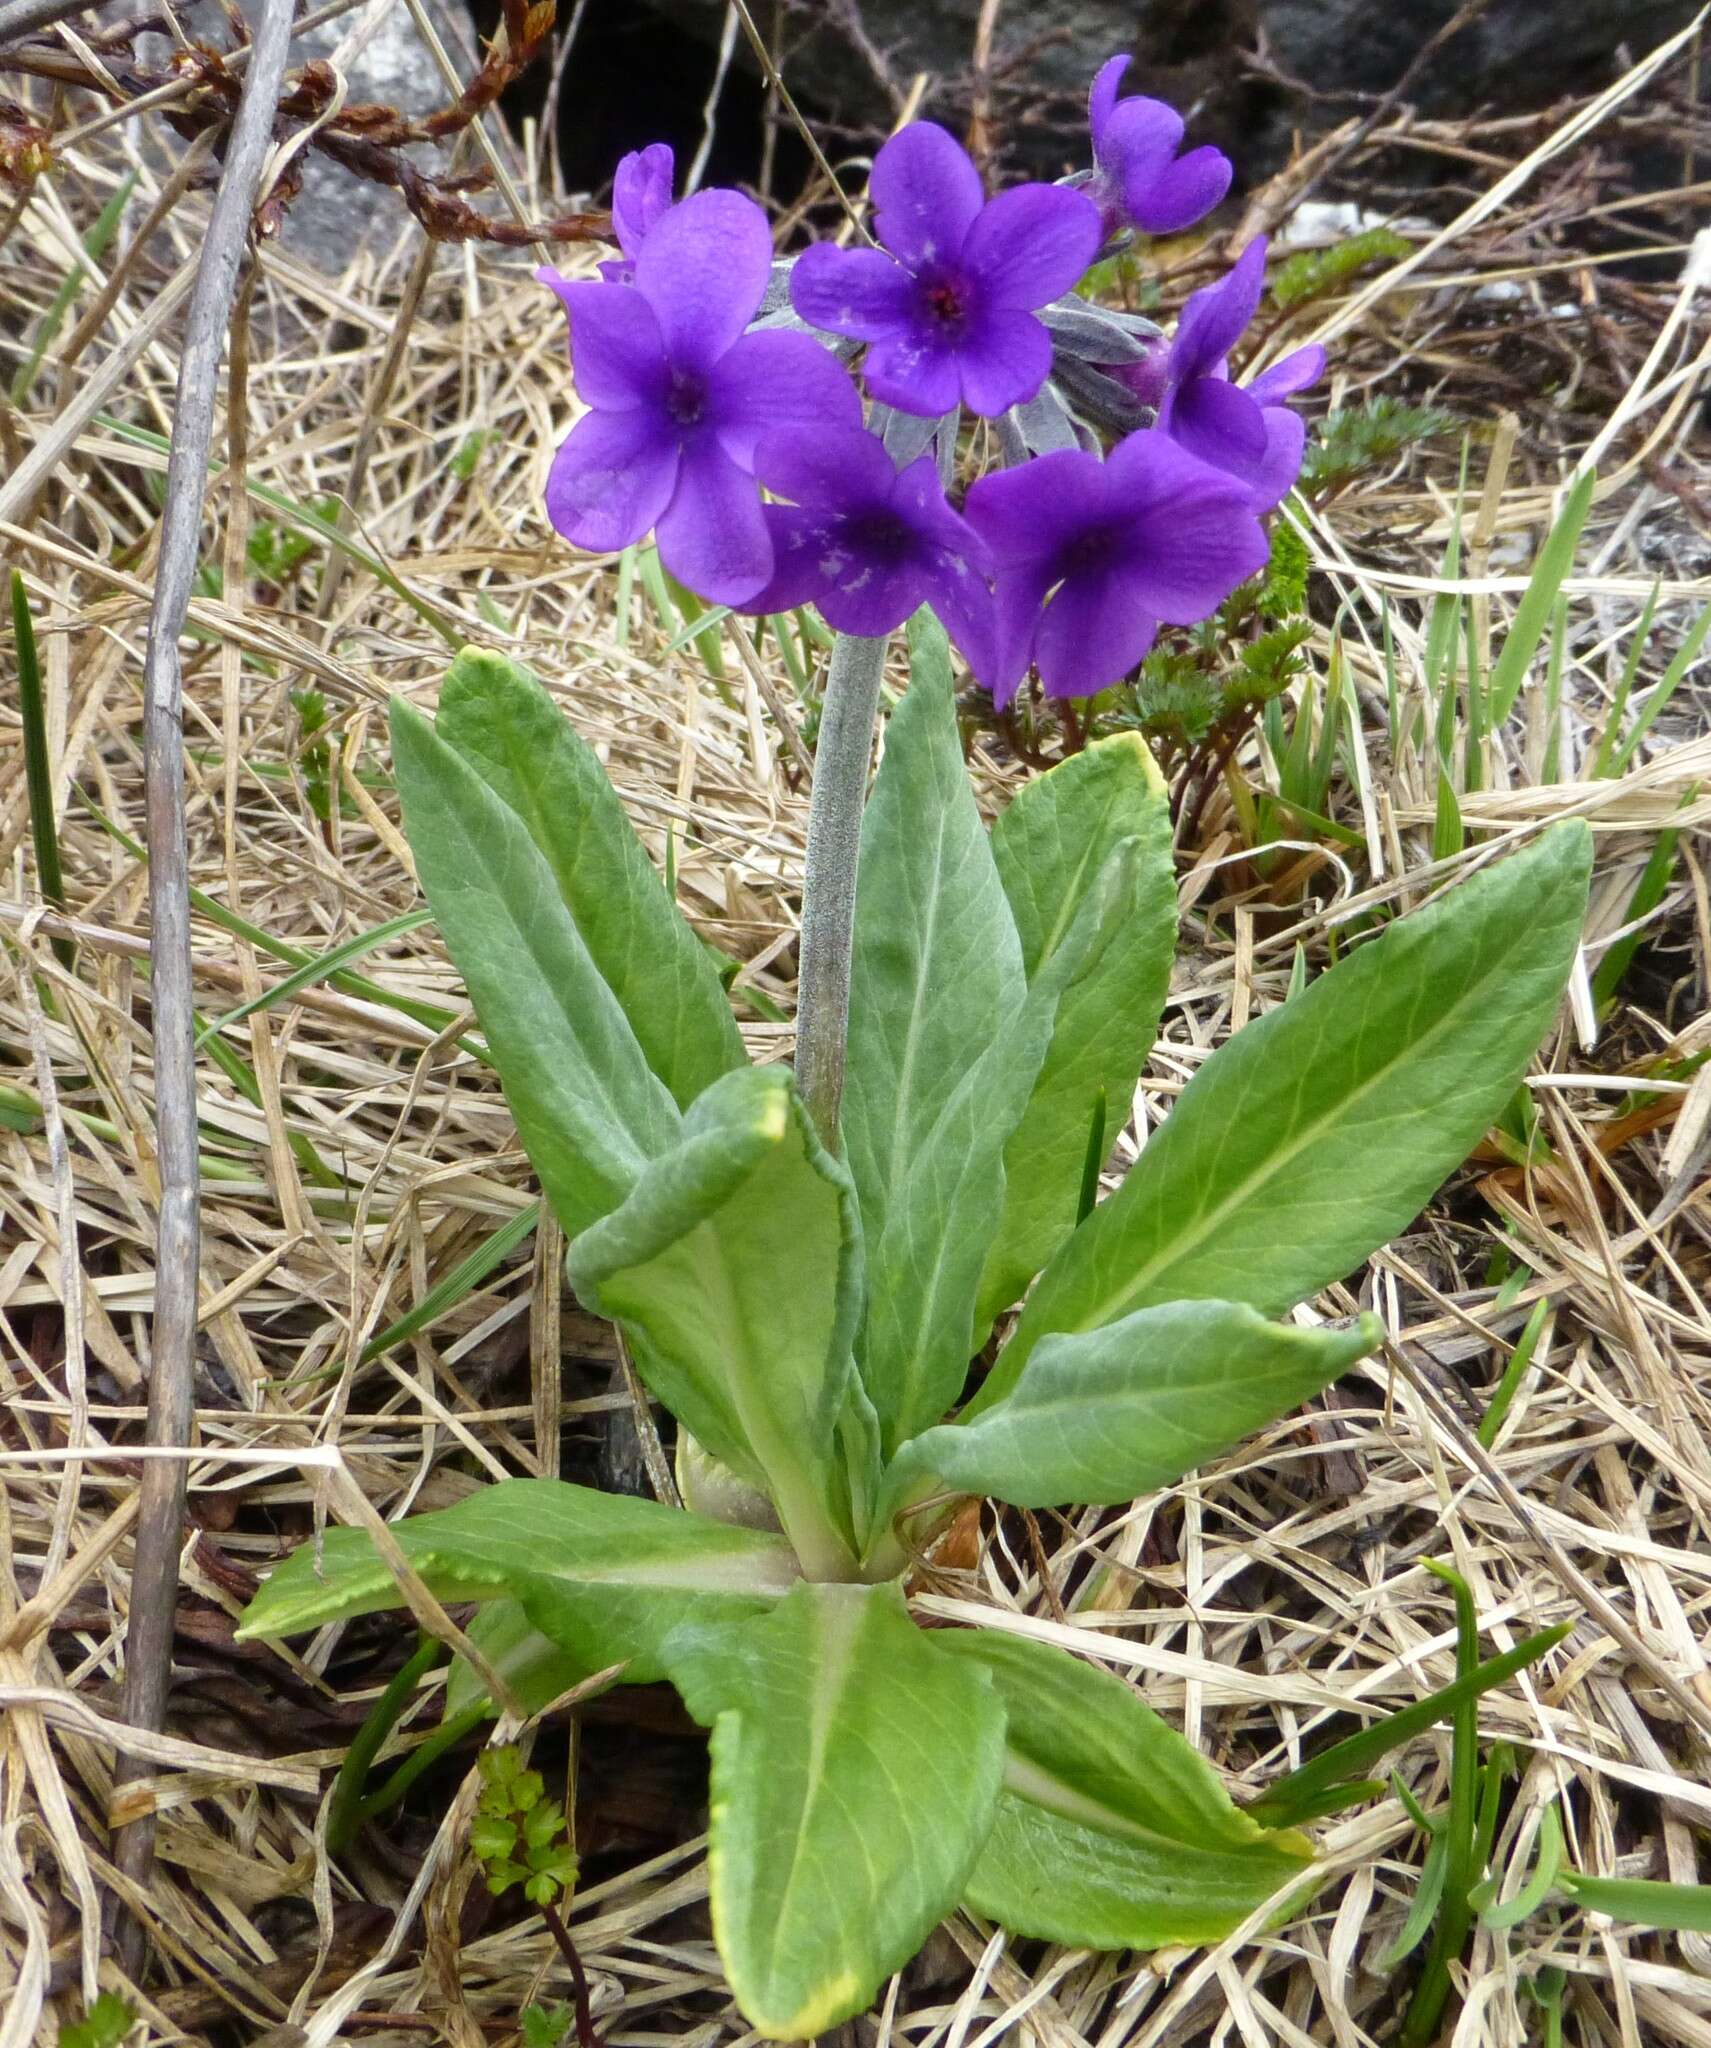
[1138, 177]
[1092, 556]
[870, 544]
[641, 195]
[947, 306]
[1247, 431]
[679, 396]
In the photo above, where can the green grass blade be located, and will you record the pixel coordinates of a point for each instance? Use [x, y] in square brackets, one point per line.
[1355, 1756]
[1667, 685]
[463, 1279]
[320, 968]
[1538, 601]
[95, 242]
[1514, 1372]
[1648, 894]
[1601, 762]
[38, 772]
[1644, 1901]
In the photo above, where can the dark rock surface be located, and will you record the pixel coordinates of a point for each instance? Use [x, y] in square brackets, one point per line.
[849, 60]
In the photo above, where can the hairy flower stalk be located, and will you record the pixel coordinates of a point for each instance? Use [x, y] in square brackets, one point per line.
[829, 875]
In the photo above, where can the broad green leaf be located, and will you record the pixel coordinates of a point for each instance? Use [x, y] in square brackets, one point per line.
[935, 977]
[1317, 1133]
[535, 1668]
[589, 1110]
[506, 726]
[1131, 1407]
[1050, 845]
[1111, 1830]
[854, 1775]
[736, 1264]
[603, 1575]
[946, 1041]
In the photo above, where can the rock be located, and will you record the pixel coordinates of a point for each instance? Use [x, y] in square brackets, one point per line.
[1517, 55]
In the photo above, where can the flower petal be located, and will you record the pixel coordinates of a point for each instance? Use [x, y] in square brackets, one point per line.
[1095, 629]
[1179, 194]
[1189, 550]
[704, 269]
[914, 370]
[860, 292]
[641, 192]
[1139, 141]
[612, 478]
[1102, 99]
[1031, 244]
[793, 530]
[1027, 514]
[926, 194]
[819, 559]
[616, 354]
[967, 612]
[1273, 476]
[1295, 373]
[1016, 623]
[712, 536]
[918, 496]
[833, 470]
[1002, 358]
[775, 380]
[1213, 319]
[1223, 426]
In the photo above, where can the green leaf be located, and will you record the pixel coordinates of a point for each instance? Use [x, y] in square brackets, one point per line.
[1131, 1407]
[605, 1576]
[936, 977]
[104, 2025]
[1317, 1133]
[1644, 1901]
[1112, 1831]
[855, 1770]
[506, 726]
[1050, 845]
[1533, 613]
[588, 1109]
[535, 1668]
[736, 1264]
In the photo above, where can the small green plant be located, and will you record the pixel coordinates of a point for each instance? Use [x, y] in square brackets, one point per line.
[1312, 273]
[808, 1300]
[519, 1835]
[1363, 437]
[104, 2025]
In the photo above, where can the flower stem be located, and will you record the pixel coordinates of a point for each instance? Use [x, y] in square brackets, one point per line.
[829, 876]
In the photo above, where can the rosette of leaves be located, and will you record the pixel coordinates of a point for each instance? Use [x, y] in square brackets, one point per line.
[810, 1315]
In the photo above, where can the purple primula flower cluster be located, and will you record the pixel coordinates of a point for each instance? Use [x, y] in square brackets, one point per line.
[739, 440]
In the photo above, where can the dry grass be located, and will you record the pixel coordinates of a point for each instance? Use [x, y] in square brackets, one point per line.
[1254, 1604]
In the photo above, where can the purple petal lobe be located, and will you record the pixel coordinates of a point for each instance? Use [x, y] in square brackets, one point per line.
[611, 479]
[1295, 373]
[919, 496]
[859, 292]
[704, 269]
[1103, 97]
[966, 610]
[1220, 424]
[1016, 623]
[1095, 630]
[926, 194]
[775, 380]
[1003, 359]
[1273, 476]
[641, 192]
[831, 470]
[1191, 552]
[1138, 142]
[1029, 513]
[1213, 319]
[616, 353]
[914, 370]
[1031, 244]
[1181, 193]
[712, 536]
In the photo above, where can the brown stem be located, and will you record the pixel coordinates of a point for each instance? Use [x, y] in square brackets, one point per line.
[586, 2037]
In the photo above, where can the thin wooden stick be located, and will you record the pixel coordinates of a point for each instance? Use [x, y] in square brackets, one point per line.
[149, 1632]
[24, 17]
